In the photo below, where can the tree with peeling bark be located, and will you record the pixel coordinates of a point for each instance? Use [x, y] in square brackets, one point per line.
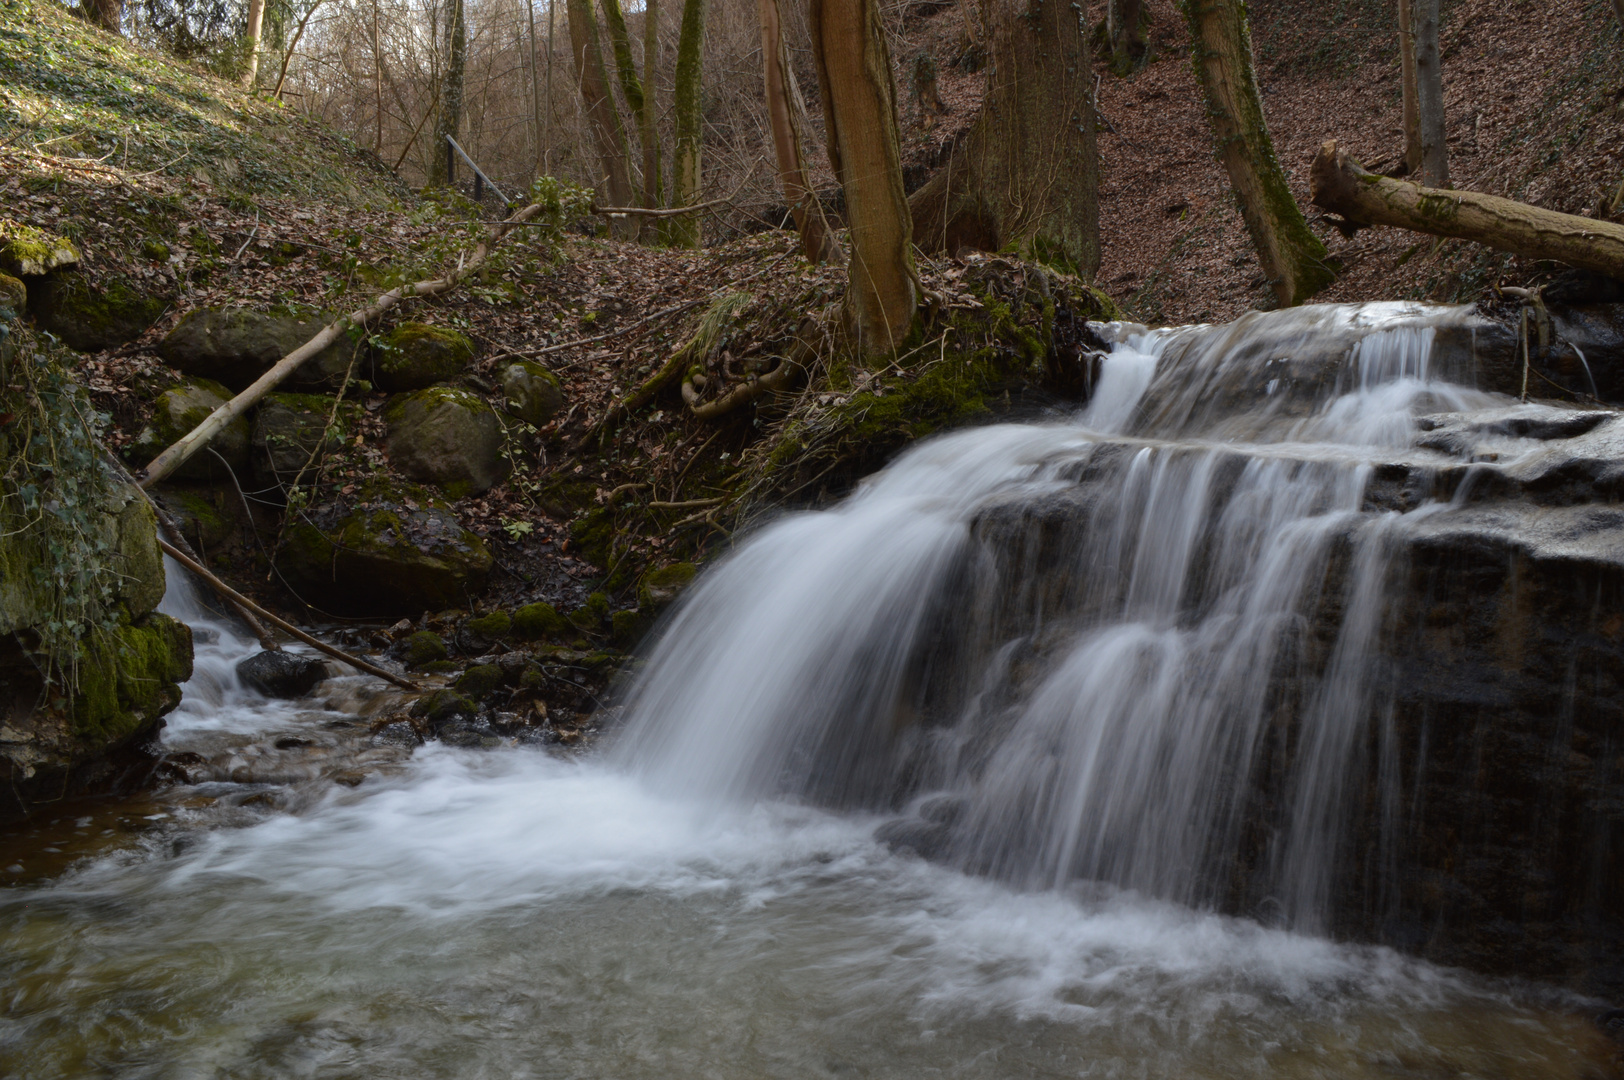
[602, 116]
[683, 231]
[786, 110]
[1429, 85]
[860, 120]
[449, 120]
[1294, 260]
[1027, 176]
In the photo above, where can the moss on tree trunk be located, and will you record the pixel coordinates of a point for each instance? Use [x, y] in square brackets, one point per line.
[450, 115]
[684, 230]
[1293, 258]
[601, 114]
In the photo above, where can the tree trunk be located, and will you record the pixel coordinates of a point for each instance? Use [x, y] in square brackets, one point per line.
[684, 231]
[787, 112]
[535, 92]
[1412, 109]
[256, 24]
[860, 121]
[1292, 257]
[632, 87]
[600, 109]
[442, 169]
[653, 186]
[107, 14]
[1430, 95]
[1342, 187]
[1027, 176]
[1124, 33]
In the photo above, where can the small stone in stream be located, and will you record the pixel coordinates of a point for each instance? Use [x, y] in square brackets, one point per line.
[531, 392]
[292, 743]
[535, 621]
[423, 648]
[444, 707]
[479, 681]
[926, 839]
[281, 674]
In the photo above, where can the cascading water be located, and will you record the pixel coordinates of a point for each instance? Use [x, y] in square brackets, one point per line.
[1120, 667]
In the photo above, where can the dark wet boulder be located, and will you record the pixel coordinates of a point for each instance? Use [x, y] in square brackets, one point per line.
[531, 391]
[479, 681]
[94, 316]
[236, 346]
[292, 431]
[281, 674]
[927, 839]
[444, 707]
[422, 648]
[391, 550]
[447, 437]
[415, 356]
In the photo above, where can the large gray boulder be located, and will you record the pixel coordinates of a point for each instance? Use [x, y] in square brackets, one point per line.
[180, 409]
[532, 392]
[392, 550]
[236, 346]
[414, 356]
[91, 317]
[292, 430]
[446, 437]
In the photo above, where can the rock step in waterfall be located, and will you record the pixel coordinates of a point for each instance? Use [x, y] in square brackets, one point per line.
[1291, 622]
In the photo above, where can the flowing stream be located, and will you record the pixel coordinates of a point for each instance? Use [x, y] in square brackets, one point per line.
[1047, 656]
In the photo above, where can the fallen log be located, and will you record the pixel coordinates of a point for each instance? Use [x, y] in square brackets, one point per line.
[189, 444]
[282, 624]
[1337, 183]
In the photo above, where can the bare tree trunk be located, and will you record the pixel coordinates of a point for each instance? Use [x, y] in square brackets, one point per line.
[600, 107]
[684, 231]
[1430, 95]
[1292, 257]
[256, 24]
[377, 85]
[547, 150]
[1412, 109]
[1341, 186]
[107, 14]
[1124, 32]
[535, 94]
[860, 121]
[787, 112]
[653, 185]
[298, 35]
[1028, 174]
[442, 169]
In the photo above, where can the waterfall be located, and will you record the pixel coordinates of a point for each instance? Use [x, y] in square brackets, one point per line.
[1134, 646]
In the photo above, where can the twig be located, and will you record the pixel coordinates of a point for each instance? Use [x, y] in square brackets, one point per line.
[688, 504]
[282, 624]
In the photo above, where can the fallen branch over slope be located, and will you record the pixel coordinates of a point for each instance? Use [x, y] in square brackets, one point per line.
[1337, 183]
[189, 444]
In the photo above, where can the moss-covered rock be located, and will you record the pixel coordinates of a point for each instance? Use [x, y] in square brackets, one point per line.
[661, 585]
[591, 616]
[536, 621]
[415, 356]
[392, 550]
[94, 317]
[237, 346]
[423, 648]
[531, 391]
[446, 437]
[209, 517]
[492, 627]
[180, 409]
[292, 430]
[130, 678]
[445, 707]
[13, 297]
[627, 627]
[29, 252]
[479, 681]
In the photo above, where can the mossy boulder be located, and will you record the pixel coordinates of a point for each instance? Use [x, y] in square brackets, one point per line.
[290, 430]
[445, 707]
[591, 616]
[13, 298]
[209, 517]
[29, 252]
[627, 627]
[237, 345]
[415, 356]
[91, 317]
[479, 681]
[532, 392]
[423, 648]
[180, 409]
[392, 550]
[446, 437]
[479, 635]
[660, 586]
[536, 621]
